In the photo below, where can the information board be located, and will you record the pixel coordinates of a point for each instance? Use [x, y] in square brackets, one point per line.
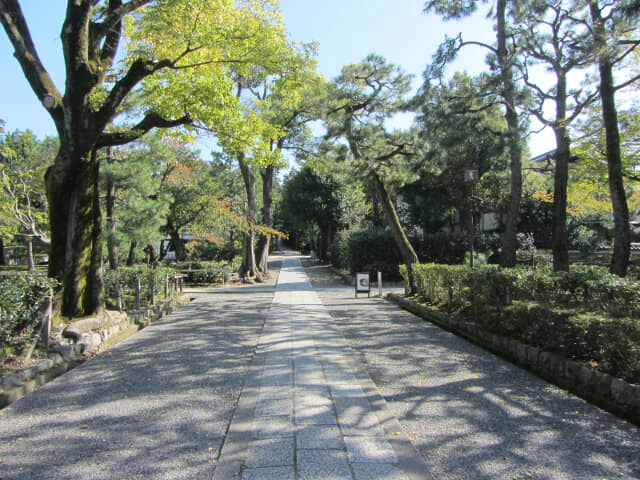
[362, 284]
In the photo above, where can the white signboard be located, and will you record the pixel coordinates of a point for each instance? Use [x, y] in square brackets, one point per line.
[362, 284]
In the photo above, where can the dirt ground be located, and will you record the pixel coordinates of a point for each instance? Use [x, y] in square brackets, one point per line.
[321, 275]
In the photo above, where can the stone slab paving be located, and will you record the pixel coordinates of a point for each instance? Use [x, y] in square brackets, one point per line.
[316, 413]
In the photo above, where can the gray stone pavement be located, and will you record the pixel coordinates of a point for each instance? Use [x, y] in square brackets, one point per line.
[309, 411]
[297, 383]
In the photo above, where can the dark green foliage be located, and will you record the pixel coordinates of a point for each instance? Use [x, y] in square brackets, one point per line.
[211, 251]
[338, 252]
[206, 273]
[21, 300]
[587, 314]
[451, 247]
[151, 279]
[366, 251]
[374, 251]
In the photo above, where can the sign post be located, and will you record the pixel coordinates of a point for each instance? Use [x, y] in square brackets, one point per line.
[362, 284]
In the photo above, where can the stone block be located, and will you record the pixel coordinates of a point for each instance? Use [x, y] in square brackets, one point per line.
[369, 450]
[544, 361]
[572, 372]
[533, 354]
[521, 350]
[557, 365]
[622, 392]
[602, 382]
[584, 376]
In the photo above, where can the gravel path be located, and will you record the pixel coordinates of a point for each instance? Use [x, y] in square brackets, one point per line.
[470, 414]
[156, 406]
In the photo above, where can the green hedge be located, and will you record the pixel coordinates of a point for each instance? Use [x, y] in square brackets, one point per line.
[21, 298]
[587, 315]
[206, 273]
[151, 278]
[366, 251]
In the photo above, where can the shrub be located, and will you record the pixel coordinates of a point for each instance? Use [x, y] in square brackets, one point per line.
[151, 279]
[206, 273]
[452, 247]
[210, 251]
[338, 252]
[366, 251]
[587, 314]
[373, 251]
[21, 298]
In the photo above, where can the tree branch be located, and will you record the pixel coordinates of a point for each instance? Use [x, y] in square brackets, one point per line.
[480, 44]
[627, 83]
[41, 83]
[152, 120]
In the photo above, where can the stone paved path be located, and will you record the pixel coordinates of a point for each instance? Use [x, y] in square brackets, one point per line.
[316, 413]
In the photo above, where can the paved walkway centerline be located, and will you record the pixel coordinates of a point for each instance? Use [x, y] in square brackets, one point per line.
[316, 414]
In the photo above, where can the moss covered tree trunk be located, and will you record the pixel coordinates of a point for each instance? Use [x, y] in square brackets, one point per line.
[559, 235]
[509, 239]
[262, 250]
[409, 257]
[76, 236]
[622, 230]
[248, 268]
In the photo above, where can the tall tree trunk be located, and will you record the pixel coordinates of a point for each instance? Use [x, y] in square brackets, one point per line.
[150, 254]
[178, 245]
[111, 224]
[131, 258]
[76, 236]
[559, 237]
[248, 268]
[110, 203]
[509, 240]
[622, 230]
[262, 250]
[30, 262]
[409, 256]
[3, 258]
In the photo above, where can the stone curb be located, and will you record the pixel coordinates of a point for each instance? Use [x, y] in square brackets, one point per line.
[599, 388]
[83, 333]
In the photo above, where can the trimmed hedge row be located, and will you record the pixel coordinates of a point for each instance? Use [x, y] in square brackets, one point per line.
[21, 299]
[152, 283]
[587, 315]
[366, 251]
[205, 273]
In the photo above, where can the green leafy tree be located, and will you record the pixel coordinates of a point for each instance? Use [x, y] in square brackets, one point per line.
[132, 179]
[501, 58]
[359, 102]
[22, 165]
[589, 193]
[288, 101]
[310, 203]
[197, 209]
[179, 55]
[460, 131]
[552, 39]
[612, 26]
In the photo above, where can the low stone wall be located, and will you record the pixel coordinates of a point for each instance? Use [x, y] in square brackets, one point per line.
[609, 393]
[84, 336]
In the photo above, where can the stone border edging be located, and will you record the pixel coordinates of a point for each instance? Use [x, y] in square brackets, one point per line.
[85, 337]
[599, 388]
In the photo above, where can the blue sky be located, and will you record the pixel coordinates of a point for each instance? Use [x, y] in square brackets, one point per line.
[346, 30]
